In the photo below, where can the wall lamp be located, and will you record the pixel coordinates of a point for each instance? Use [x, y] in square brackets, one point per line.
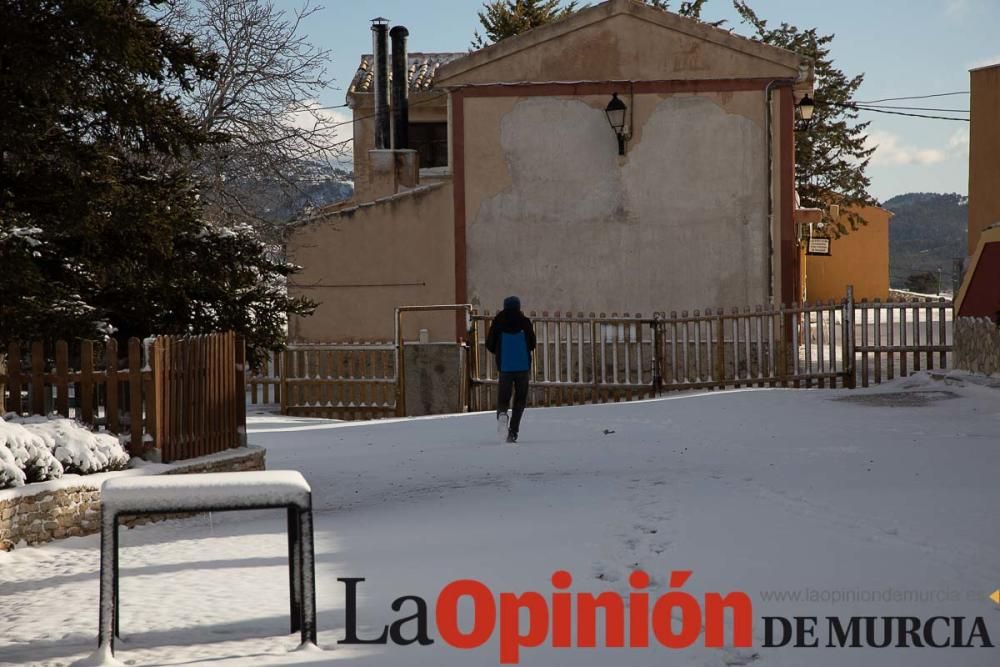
[616, 118]
[805, 109]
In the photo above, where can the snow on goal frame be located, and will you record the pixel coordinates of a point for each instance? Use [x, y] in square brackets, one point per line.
[211, 492]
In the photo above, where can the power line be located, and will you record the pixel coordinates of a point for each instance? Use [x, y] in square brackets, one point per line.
[412, 104]
[902, 113]
[913, 97]
[859, 106]
[886, 106]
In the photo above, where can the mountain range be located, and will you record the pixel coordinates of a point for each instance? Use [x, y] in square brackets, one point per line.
[927, 234]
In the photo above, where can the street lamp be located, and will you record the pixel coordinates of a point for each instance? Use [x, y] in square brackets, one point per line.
[616, 118]
[805, 108]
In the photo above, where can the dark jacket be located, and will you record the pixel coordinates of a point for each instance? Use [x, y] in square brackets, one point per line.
[512, 332]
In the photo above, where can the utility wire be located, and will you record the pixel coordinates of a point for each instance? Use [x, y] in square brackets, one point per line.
[412, 104]
[886, 106]
[858, 106]
[913, 97]
[902, 113]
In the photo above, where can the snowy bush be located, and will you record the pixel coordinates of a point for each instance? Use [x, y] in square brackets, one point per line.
[29, 456]
[36, 449]
[10, 472]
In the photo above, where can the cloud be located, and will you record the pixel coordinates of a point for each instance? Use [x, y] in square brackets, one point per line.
[959, 140]
[956, 7]
[891, 151]
[334, 123]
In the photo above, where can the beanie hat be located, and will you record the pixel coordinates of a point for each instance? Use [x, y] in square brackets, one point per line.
[512, 303]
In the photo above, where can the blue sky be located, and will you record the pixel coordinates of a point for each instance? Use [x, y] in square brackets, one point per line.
[904, 47]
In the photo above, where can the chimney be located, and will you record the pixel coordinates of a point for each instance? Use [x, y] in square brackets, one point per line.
[380, 51]
[400, 89]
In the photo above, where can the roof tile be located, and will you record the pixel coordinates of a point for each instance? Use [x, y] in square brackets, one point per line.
[422, 69]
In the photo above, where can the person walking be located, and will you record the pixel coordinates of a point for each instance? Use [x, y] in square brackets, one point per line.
[511, 339]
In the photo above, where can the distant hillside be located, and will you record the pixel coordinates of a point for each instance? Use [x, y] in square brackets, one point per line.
[927, 233]
[320, 186]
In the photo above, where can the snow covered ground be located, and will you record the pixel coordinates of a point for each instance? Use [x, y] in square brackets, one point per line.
[828, 495]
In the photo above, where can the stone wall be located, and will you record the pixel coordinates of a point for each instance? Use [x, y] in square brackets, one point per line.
[74, 509]
[977, 345]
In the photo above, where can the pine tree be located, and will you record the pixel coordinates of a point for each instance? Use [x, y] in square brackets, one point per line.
[689, 8]
[505, 18]
[100, 221]
[831, 156]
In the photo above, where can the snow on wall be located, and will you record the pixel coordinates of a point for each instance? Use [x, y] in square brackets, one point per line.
[71, 506]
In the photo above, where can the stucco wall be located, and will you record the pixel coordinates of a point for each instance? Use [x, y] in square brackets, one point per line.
[984, 153]
[621, 41]
[861, 258]
[434, 379]
[556, 216]
[363, 262]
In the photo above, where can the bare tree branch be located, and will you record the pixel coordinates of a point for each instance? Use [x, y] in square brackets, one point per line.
[263, 101]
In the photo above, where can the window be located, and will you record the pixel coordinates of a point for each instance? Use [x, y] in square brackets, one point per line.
[430, 140]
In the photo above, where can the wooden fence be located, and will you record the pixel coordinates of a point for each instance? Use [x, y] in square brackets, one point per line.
[900, 336]
[199, 402]
[599, 358]
[578, 359]
[335, 381]
[179, 395]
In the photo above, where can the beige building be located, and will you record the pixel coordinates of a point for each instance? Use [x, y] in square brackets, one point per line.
[522, 188]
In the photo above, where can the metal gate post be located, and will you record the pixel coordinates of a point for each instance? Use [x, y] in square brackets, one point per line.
[459, 309]
[294, 568]
[848, 338]
[307, 574]
[657, 354]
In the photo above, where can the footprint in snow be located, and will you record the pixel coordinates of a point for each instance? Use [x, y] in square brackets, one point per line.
[736, 657]
[602, 573]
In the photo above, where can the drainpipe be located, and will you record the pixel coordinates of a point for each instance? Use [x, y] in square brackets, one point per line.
[768, 123]
[400, 89]
[380, 53]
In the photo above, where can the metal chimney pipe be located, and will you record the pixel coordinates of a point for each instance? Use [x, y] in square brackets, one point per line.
[380, 51]
[400, 88]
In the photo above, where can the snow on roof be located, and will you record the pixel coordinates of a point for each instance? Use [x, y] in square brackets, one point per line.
[199, 491]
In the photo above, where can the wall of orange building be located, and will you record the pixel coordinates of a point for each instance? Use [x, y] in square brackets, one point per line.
[860, 258]
[984, 152]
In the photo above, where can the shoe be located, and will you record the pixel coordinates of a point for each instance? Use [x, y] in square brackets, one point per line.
[511, 438]
[502, 419]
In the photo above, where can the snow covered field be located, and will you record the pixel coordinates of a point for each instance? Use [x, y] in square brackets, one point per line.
[831, 496]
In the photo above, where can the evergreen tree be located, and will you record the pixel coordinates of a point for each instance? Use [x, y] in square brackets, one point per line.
[505, 18]
[831, 156]
[925, 282]
[689, 8]
[100, 222]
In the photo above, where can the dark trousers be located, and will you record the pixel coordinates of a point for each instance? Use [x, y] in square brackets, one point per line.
[518, 384]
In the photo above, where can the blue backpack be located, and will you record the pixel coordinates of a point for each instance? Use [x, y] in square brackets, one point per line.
[514, 356]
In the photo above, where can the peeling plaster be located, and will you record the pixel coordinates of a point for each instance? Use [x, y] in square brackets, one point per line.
[679, 223]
